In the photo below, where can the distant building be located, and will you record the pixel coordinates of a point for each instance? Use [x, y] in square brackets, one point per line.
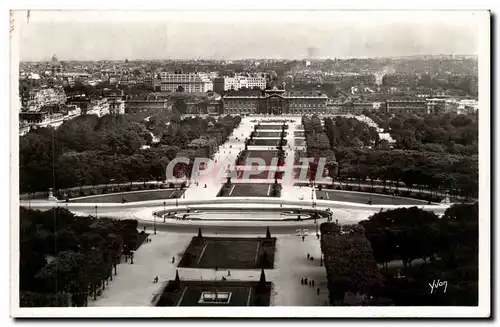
[98, 107]
[116, 106]
[55, 67]
[406, 106]
[222, 84]
[464, 106]
[436, 105]
[152, 106]
[34, 120]
[170, 82]
[275, 102]
[153, 82]
[48, 97]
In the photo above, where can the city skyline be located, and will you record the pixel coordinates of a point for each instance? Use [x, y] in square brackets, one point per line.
[242, 35]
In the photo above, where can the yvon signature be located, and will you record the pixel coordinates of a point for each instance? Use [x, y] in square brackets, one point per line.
[437, 284]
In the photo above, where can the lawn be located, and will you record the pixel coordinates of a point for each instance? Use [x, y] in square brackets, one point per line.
[267, 155]
[132, 196]
[243, 189]
[267, 142]
[229, 253]
[271, 127]
[269, 134]
[355, 197]
[188, 293]
[265, 174]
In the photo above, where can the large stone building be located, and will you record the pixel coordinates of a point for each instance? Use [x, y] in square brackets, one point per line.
[406, 106]
[222, 84]
[171, 82]
[275, 102]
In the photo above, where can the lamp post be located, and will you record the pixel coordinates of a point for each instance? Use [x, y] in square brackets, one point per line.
[316, 222]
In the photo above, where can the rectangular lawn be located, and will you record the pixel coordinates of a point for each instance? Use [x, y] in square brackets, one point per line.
[270, 127]
[267, 155]
[188, 293]
[267, 142]
[358, 197]
[229, 253]
[265, 174]
[257, 190]
[132, 196]
[268, 134]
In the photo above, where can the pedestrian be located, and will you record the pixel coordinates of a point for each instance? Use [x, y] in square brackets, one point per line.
[305, 280]
[308, 255]
[302, 281]
[313, 283]
[229, 273]
[310, 283]
[303, 238]
[173, 259]
[317, 291]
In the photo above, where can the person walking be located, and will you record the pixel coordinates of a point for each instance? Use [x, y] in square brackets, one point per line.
[313, 283]
[308, 256]
[302, 281]
[317, 291]
[173, 259]
[305, 280]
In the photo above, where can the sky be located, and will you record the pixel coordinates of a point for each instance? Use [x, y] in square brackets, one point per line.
[111, 35]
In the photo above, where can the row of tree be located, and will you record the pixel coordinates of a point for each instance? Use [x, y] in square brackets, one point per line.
[350, 132]
[444, 249]
[349, 262]
[448, 247]
[451, 133]
[64, 258]
[89, 150]
[318, 146]
[436, 172]
[445, 172]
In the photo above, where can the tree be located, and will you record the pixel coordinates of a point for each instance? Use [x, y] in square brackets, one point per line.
[349, 263]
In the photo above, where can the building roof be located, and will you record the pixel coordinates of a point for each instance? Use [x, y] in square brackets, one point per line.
[244, 93]
[304, 94]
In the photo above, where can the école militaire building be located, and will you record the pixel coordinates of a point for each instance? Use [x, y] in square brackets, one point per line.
[275, 102]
